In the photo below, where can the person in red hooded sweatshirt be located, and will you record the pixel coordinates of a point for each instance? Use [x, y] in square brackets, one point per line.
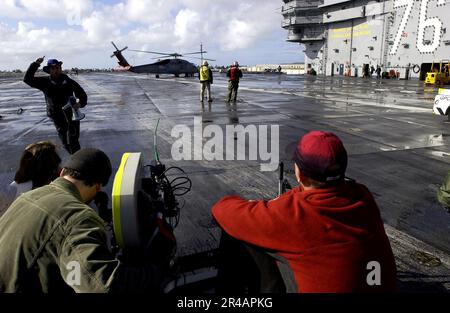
[325, 236]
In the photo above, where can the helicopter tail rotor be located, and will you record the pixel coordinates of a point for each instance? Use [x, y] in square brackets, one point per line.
[118, 54]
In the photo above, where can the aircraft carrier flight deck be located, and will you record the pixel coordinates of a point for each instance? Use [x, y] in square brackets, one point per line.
[397, 146]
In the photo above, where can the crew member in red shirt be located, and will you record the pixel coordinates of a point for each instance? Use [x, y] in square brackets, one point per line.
[234, 74]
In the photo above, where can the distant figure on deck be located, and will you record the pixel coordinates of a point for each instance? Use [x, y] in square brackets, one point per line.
[378, 71]
[234, 74]
[366, 71]
[372, 70]
[325, 236]
[206, 79]
[58, 88]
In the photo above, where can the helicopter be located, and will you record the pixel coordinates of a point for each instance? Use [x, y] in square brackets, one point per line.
[174, 65]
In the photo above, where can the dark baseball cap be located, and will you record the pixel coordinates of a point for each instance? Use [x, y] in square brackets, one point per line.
[321, 156]
[51, 62]
[92, 164]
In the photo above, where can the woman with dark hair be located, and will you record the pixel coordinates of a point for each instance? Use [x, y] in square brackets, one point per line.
[39, 166]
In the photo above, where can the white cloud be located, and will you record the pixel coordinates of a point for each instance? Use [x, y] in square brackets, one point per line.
[50, 9]
[39, 8]
[77, 10]
[240, 34]
[225, 27]
[149, 11]
[189, 27]
[9, 8]
[146, 38]
[232, 24]
[25, 43]
[100, 28]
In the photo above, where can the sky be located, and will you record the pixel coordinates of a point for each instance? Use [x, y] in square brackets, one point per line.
[80, 32]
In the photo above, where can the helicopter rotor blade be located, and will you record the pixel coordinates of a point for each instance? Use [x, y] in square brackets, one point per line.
[152, 52]
[201, 59]
[117, 50]
[173, 55]
[194, 53]
[168, 56]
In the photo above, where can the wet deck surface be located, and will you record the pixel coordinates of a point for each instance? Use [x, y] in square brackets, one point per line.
[396, 146]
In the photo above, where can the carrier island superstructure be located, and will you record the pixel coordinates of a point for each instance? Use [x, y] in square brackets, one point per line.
[340, 37]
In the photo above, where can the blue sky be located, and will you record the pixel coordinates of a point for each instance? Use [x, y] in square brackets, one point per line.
[79, 32]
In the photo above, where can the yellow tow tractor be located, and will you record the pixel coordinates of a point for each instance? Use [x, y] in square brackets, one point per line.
[439, 76]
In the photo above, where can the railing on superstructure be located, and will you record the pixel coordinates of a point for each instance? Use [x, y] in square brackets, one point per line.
[301, 35]
[291, 6]
[303, 20]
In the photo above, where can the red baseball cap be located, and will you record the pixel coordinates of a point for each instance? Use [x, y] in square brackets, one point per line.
[321, 156]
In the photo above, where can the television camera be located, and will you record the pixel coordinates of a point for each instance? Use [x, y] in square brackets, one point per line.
[146, 205]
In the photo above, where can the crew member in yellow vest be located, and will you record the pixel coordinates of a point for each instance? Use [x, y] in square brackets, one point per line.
[206, 79]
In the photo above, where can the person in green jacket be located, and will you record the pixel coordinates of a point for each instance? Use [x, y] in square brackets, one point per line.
[52, 241]
[443, 193]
